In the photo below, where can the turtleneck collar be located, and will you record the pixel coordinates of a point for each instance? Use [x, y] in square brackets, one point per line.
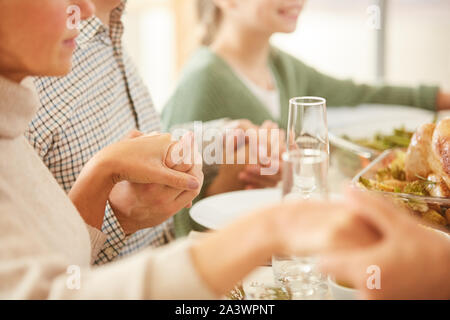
[18, 105]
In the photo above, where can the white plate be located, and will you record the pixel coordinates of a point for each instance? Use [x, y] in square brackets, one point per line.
[365, 121]
[217, 211]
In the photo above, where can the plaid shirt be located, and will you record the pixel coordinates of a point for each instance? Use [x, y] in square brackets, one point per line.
[97, 104]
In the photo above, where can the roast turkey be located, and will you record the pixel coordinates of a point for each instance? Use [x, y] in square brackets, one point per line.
[428, 157]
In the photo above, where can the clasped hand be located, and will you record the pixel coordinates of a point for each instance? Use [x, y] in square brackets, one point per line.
[145, 178]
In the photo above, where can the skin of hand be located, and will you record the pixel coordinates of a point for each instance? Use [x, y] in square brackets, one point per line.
[251, 174]
[140, 160]
[413, 259]
[138, 206]
[286, 229]
[233, 177]
[443, 101]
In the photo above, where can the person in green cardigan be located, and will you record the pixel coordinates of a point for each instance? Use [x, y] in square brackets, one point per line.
[236, 68]
[238, 74]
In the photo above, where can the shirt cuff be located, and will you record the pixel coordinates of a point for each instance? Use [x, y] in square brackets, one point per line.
[427, 97]
[116, 237]
[98, 239]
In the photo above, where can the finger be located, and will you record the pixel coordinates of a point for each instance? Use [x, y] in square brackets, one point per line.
[153, 134]
[377, 210]
[180, 155]
[258, 177]
[257, 170]
[269, 125]
[197, 172]
[342, 267]
[185, 199]
[243, 124]
[171, 159]
[133, 134]
[249, 180]
[259, 181]
[168, 193]
[174, 179]
[236, 138]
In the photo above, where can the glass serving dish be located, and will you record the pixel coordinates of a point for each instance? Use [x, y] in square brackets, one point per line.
[418, 205]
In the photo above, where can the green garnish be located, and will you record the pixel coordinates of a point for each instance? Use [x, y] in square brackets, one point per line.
[425, 180]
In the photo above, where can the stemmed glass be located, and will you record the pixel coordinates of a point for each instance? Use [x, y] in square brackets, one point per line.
[305, 170]
[307, 157]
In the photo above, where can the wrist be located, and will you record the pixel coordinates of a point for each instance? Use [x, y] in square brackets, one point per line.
[90, 192]
[442, 101]
[242, 246]
[274, 226]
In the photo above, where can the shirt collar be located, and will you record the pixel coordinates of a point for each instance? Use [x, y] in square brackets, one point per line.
[94, 26]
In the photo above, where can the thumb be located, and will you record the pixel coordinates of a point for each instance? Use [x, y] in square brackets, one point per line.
[133, 134]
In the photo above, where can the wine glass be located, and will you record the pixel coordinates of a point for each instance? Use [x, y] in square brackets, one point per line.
[308, 148]
[305, 170]
[307, 124]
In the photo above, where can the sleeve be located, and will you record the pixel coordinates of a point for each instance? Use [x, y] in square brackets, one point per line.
[116, 238]
[98, 240]
[348, 93]
[195, 99]
[30, 271]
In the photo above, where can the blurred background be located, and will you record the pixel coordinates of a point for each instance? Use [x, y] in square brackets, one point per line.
[412, 45]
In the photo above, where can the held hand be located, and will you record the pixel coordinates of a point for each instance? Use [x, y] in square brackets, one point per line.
[313, 227]
[443, 101]
[138, 206]
[140, 160]
[258, 176]
[289, 228]
[413, 260]
[143, 160]
[265, 153]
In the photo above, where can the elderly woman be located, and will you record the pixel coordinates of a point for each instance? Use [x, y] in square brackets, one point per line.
[47, 241]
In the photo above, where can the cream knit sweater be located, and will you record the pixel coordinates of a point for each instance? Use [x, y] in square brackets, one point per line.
[44, 241]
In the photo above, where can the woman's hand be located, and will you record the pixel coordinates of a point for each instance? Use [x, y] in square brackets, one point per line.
[413, 260]
[254, 175]
[285, 229]
[138, 206]
[261, 166]
[143, 160]
[139, 160]
[443, 101]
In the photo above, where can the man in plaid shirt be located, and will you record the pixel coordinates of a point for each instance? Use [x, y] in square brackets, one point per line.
[101, 101]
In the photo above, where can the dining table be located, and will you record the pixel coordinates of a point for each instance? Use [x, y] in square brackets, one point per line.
[358, 122]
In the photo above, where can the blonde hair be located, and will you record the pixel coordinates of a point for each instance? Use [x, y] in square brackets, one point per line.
[209, 16]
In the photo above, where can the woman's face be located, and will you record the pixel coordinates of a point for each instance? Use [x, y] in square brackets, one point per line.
[37, 37]
[268, 16]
